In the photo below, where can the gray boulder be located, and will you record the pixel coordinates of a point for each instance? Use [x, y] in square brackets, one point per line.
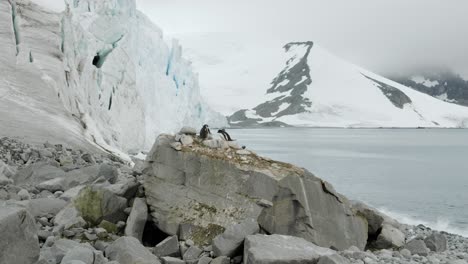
[278, 249]
[436, 242]
[333, 259]
[69, 217]
[19, 243]
[192, 253]
[205, 260]
[43, 206]
[53, 185]
[221, 260]
[168, 247]
[81, 253]
[61, 247]
[137, 219]
[186, 140]
[417, 247]
[96, 204]
[216, 144]
[171, 260]
[73, 262]
[6, 171]
[37, 173]
[128, 250]
[228, 243]
[206, 189]
[390, 237]
[4, 180]
[375, 219]
[24, 195]
[188, 131]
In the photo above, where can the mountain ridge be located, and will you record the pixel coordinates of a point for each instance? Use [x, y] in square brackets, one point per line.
[340, 94]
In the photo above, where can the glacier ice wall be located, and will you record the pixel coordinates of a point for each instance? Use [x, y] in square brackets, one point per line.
[111, 70]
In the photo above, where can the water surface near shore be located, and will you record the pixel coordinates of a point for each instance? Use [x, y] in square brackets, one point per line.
[415, 175]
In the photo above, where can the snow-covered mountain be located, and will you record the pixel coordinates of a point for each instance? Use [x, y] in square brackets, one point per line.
[318, 89]
[99, 72]
[443, 84]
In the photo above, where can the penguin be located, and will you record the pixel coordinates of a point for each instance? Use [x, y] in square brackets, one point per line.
[205, 132]
[226, 136]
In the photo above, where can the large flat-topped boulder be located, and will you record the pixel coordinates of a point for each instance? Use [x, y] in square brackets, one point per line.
[212, 189]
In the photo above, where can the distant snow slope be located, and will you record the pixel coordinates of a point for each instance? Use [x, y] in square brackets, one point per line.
[234, 71]
[100, 72]
[318, 89]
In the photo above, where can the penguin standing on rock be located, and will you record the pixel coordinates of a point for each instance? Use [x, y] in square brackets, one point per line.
[225, 134]
[205, 132]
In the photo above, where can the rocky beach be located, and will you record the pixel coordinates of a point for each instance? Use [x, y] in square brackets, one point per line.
[192, 201]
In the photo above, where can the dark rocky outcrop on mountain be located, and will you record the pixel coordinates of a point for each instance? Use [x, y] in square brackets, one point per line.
[442, 84]
[293, 79]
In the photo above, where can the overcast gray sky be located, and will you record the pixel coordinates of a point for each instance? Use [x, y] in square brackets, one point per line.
[382, 35]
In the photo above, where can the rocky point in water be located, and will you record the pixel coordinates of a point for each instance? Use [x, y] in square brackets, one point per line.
[209, 202]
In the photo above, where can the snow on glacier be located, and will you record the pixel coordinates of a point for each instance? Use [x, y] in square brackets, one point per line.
[139, 87]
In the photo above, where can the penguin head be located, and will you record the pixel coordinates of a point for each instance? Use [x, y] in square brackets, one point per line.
[220, 131]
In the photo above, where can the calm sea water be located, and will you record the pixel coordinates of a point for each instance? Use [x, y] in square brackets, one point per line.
[415, 175]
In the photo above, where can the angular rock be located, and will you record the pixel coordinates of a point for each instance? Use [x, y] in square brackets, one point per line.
[4, 180]
[128, 250]
[188, 131]
[192, 253]
[24, 195]
[137, 219]
[374, 218]
[96, 204]
[436, 242]
[61, 247]
[186, 140]
[69, 217]
[43, 206]
[36, 173]
[278, 249]
[177, 146]
[171, 260]
[390, 237]
[333, 259]
[243, 152]
[417, 247]
[46, 256]
[108, 172]
[216, 144]
[168, 247]
[80, 253]
[6, 171]
[205, 260]
[19, 243]
[228, 243]
[189, 187]
[53, 185]
[221, 260]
